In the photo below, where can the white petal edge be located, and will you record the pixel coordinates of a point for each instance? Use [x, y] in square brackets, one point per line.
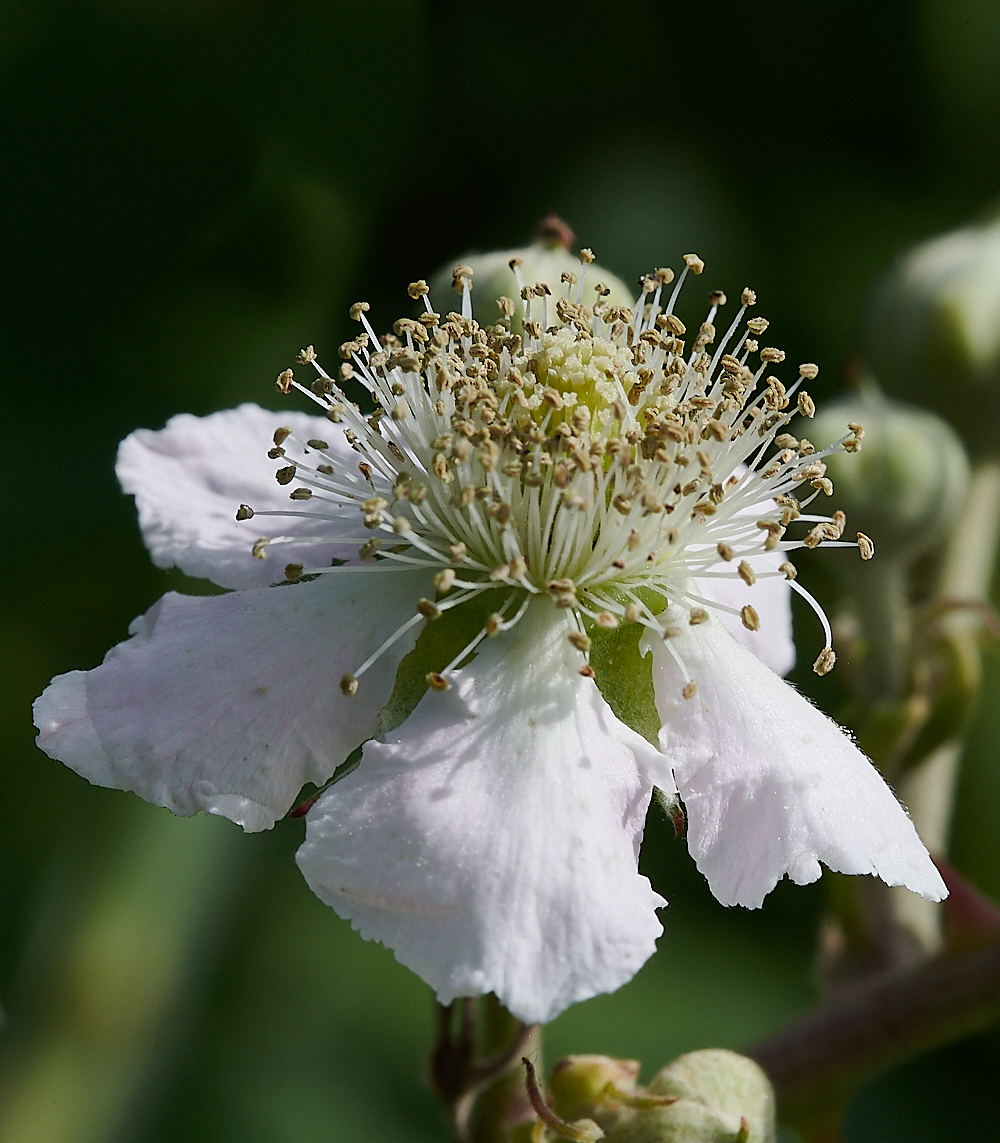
[230, 703]
[771, 786]
[492, 841]
[190, 477]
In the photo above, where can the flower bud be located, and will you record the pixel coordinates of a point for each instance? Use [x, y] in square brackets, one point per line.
[721, 1097]
[907, 481]
[549, 260]
[580, 1086]
[934, 331]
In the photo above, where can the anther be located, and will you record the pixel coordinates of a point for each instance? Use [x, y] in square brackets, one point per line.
[518, 567]
[809, 371]
[807, 407]
[461, 278]
[717, 298]
[400, 411]
[284, 382]
[698, 615]
[358, 309]
[587, 672]
[694, 263]
[633, 613]
[280, 435]
[821, 532]
[586, 256]
[293, 572]
[825, 661]
[438, 682]
[401, 525]
[865, 546]
[369, 548]
[258, 550]
[690, 689]
[493, 624]
[606, 620]
[428, 609]
[725, 551]
[770, 354]
[315, 442]
[306, 356]
[417, 289]
[301, 494]
[444, 580]
[751, 620]
[349, 685]
[285, 475]
[457, 552]
[748, 297]
[747, 573]
[244, 512]
[580, 641]
[789, 570]
[840, 520]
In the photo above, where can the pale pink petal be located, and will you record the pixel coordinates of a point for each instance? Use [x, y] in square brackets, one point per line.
[770, 784]
[492, 841]
[229, 703]
[189, 479]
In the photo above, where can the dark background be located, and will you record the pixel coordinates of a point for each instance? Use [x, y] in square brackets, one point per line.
[193, 189]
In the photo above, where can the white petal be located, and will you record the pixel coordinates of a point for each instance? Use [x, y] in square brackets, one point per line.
[770, 784]
[771, 598]
[190, 477]
[230, 703]
[492, 841]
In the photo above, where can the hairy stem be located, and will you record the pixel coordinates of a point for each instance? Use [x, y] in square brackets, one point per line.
[818, 1061]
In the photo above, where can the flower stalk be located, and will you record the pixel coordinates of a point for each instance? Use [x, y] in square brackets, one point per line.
[474, 1067]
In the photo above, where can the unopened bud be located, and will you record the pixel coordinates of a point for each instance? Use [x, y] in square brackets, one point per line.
[719, 1096]
[579, 1087]
[934, 331]
[546, 262]
[907, 481]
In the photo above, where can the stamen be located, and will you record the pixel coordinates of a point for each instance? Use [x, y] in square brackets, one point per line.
[593, 460]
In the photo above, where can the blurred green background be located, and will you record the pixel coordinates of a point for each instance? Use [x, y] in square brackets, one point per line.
[193, 189]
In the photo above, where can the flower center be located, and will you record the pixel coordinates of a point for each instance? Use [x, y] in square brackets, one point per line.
[598, 460]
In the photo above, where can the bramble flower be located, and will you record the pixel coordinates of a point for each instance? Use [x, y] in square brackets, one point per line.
[514, 582]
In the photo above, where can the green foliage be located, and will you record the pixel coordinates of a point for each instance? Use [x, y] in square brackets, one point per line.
[625, 678]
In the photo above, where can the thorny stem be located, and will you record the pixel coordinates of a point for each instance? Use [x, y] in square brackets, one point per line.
[817, 1062]
[474, 1084]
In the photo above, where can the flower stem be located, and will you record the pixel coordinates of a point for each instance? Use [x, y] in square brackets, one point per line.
[928, 789]
[885, 619]
[476, 1071]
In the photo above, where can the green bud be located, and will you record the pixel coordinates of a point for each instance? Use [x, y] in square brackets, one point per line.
[546, 261]
[907, 482]
[721, 1097]
[581, 1085]
[686, 1121]
[934, 332]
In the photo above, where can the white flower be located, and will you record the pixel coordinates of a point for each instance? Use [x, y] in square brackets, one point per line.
[529, 508]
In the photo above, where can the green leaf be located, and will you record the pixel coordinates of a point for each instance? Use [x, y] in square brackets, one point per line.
[625, 678]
